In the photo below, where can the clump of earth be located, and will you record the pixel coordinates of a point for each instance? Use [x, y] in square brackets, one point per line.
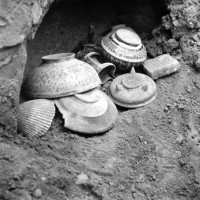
[152, 153]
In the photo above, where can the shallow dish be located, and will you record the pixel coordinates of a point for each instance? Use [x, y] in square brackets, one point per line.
[90, 112]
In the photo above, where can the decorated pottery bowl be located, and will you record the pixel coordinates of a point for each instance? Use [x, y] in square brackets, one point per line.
[90, 112]
[60, 75]
[132, 90]
[123, 47]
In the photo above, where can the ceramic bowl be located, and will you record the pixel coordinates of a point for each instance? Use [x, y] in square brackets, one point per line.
[90, 112]
[60, 75]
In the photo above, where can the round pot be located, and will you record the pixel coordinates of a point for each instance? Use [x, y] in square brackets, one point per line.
[123, 47]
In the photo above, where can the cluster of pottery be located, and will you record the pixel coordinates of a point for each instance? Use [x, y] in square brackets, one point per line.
[74, 87]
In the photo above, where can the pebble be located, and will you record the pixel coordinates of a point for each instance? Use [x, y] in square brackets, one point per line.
[179, 139]
[43, 178]
[188, 88]
[37, 193]
[197, 63]
[82, 179]
[166, 108]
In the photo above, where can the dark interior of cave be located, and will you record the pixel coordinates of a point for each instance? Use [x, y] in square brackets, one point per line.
[66, 23]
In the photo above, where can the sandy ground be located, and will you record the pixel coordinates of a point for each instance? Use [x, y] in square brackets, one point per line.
[152, 153]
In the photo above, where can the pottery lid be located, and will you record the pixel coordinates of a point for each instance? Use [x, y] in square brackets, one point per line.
[128, 37]
[132, 90]
[60, 75]
[90, 112]
[124, 44]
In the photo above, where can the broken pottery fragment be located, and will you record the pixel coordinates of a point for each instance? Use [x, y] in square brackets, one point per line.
[123, 47]
[35, 117]
[132, 90]
[90, 112]
[161, 66]
[60, 75]
[106, 70]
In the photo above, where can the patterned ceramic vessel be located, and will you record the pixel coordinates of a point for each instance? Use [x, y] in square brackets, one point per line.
[35, 117]
[60, 75]
[123, 47]
[90, 112]
[132, 90]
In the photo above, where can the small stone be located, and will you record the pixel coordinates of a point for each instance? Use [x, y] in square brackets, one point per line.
[166, 108]
[140, 138]
[195, 38]
[82, 179]
[180, 139]
[133, 188]
[43, 178]
[37, 193]
[188, 88]
[197, 63]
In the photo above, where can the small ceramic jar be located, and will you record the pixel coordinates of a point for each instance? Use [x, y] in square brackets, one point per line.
[123, 47]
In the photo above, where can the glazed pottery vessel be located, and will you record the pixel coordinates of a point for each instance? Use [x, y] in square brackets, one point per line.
[90, 112]
[60, 75]
[123, 47]
[35, 117]
[106, 70]
[132, 90]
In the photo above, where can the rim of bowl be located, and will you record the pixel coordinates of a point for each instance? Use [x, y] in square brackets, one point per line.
[58, 57]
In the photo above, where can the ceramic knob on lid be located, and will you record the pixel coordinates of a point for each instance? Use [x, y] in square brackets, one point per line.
[132, 90]
[124, 48]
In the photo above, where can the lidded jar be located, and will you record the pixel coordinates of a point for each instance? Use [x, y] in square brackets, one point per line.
[123, 47]
[60, 75]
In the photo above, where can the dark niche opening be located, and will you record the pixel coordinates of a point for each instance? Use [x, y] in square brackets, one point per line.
[66, 23]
